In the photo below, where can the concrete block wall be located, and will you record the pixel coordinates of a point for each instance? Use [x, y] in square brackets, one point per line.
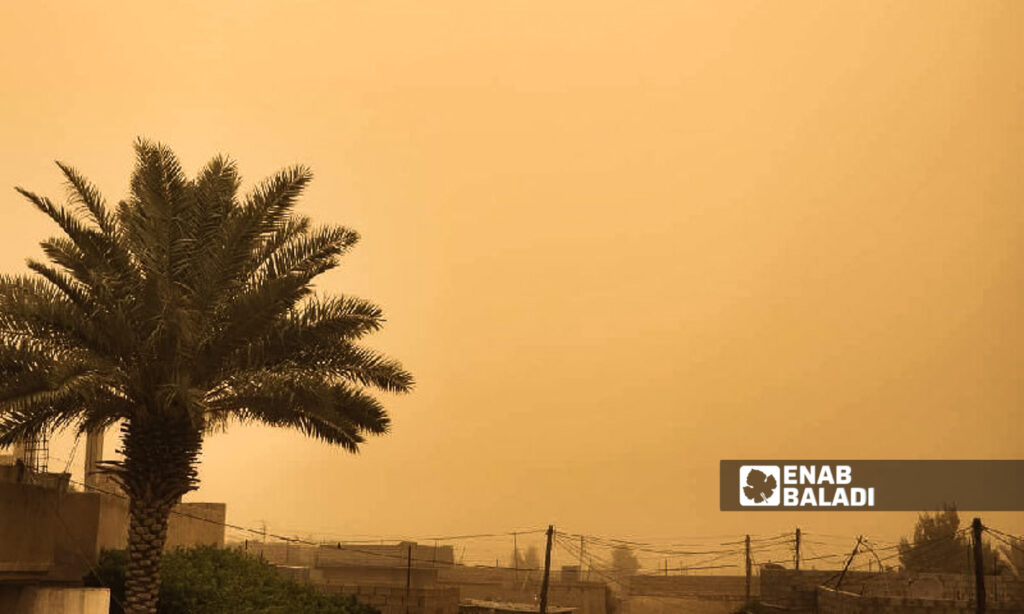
[831, 601]
[640, 604]
[802, 592]
[508, 585]
[488, 575]
[947, 586]
[396, 600]
[364, 575]
[693, 586]
[282, 553]
[797, 590]
[697, 594]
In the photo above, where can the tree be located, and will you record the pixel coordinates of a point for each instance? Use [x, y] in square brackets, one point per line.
[209, 580]
[622, 567]
[184, 309]
[939, 545]
[528, 559]
[624, 561]
[1012, 550]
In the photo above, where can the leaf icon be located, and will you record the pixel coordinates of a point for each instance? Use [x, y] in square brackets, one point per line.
[759, 486]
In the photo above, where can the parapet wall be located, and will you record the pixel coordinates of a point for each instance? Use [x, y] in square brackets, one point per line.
[101, 522]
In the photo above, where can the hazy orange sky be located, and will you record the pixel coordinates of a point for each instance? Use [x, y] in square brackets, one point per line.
[616, 242]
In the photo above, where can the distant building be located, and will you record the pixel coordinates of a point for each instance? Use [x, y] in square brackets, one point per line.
[411, 578]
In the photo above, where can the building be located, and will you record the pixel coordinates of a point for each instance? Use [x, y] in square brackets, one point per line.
[51, 534]
[426, 580]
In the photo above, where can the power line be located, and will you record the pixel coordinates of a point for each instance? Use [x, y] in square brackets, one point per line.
[297, 540]
[71, 455]
[765, 545]
[1006, 541]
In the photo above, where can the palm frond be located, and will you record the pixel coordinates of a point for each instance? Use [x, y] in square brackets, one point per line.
[272, 200]
[265, 211]
[32, 309]
[183, 307]
[87, 195]
[152, 218]
[53, 395]
[305, 254]
[331, 411]
[74, 290]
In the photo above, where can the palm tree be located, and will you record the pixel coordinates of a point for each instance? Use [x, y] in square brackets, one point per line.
[183, 309]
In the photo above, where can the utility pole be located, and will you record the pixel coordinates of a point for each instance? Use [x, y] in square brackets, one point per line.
[747, 543]
[995, 582]
[848, 561]
[515, 553]
[979, 567]
[796, 559]
[408, 572]
[582, 545]
[547, 572]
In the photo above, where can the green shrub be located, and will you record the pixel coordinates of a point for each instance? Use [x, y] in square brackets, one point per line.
[208, 580]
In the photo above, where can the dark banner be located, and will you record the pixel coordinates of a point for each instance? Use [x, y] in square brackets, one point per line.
[871, 485]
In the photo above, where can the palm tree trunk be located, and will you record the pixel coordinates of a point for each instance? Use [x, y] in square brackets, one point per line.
[147, 533]
[160, 456]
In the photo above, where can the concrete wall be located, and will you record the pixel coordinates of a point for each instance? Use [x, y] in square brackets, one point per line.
[47, 534]
[359, 575]
[508, 585]
[672, 605]
[27, 528]
[585, 597]
[21, 475]
[697, 594]
[375, 574]
[841, 602]
[693, 586]
[797, 590]
[54, 600]
[395, 600]
[112, 522]
[800, 590]
[197, 524]
[363, 569]
[190, 524]
[93, 521]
